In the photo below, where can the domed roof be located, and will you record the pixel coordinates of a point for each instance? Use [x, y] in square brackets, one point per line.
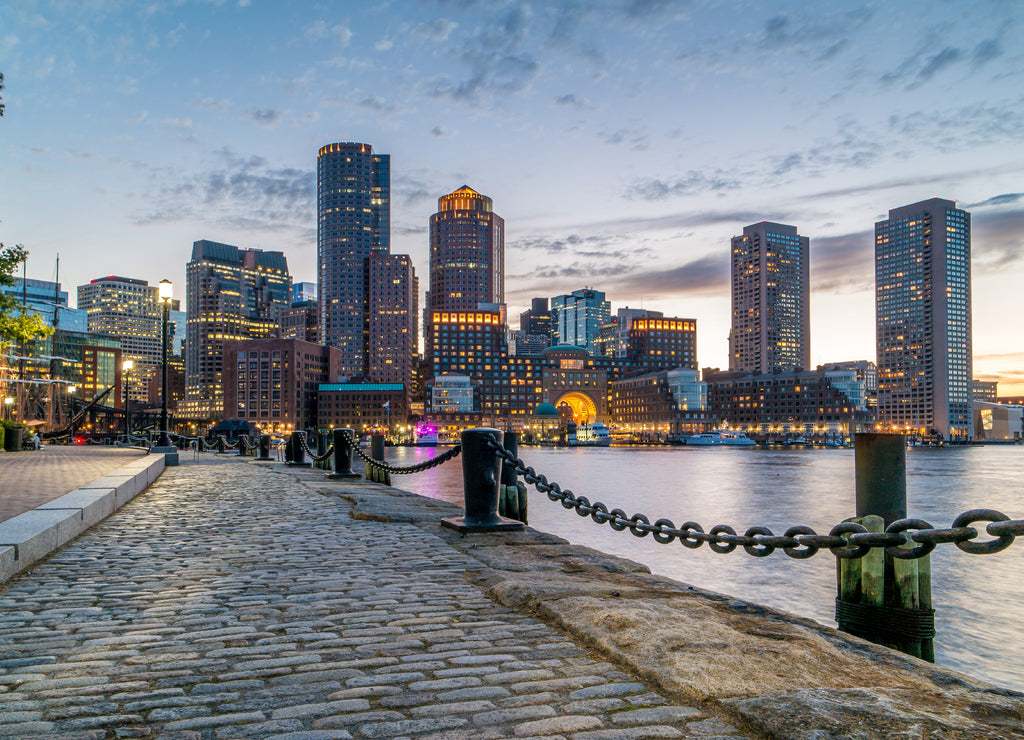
[565, 348]
[545, 409]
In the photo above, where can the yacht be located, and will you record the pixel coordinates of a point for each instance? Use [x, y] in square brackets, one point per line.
[589, 435]
[719, 439]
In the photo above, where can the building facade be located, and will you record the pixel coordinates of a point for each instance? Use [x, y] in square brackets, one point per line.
[299, 321]
[233, 294]
[273, 383]
[660, 405]
[393, 319]
[467, 252]
[662, 343]
[127, 309]
[577, 318]
[770, 300]
[923, 320]
[363, 407]
[353, 222]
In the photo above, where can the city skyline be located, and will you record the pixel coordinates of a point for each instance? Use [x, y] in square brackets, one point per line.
[624, 143]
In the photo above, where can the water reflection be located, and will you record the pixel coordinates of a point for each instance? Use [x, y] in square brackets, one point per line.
[977, 598]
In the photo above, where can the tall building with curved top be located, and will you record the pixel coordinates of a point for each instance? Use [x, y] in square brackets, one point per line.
[353, 223]
[467, 252]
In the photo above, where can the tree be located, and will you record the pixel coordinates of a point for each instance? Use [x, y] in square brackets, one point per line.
[17, 323]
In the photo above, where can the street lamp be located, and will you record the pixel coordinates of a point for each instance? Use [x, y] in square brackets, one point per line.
[8, 402]
[126, 366]
[165, 299]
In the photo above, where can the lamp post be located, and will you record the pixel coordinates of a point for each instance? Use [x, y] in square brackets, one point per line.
[165, 299]
[7, 407]
[126, 366]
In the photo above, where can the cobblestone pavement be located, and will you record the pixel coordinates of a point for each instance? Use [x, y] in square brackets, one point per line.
[32, 478]
[229, 601]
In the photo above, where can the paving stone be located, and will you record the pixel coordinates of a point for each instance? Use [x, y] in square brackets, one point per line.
[564, 724]
[652, 715]
[629, 733]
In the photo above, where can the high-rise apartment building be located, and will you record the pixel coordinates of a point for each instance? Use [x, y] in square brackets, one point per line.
[354, 222]
[923, 319]
[127, 309]
[771, 328]
[232, 294]
[576, 318]
[393, 319]
[467, 252]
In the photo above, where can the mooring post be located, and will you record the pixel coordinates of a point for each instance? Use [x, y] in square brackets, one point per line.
[481, 479]
[883, 598]
[298, 451]
[264, 447]
[510, 503]
[243, 440]
[343, 455]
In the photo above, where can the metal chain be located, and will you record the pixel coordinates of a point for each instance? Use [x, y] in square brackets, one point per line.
[316, 458]
[418, 468]
[847, 540]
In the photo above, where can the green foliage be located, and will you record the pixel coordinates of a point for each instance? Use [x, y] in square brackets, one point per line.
[17, 323]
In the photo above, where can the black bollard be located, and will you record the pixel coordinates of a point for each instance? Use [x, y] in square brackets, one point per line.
[481, 477]
[343, 455]
[243, 440]
[298, 452]
[880, 464]
[264, 447]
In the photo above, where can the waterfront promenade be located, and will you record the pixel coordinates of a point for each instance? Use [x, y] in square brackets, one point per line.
[236, 599]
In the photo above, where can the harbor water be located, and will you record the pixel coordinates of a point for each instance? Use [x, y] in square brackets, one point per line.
[979, 599]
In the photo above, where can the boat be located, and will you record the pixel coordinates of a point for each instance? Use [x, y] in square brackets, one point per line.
[426, 436]
[588, 435]
[719, 439]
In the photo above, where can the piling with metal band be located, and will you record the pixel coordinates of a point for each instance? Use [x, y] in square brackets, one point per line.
[512, 496]
[885, 596]
[264, 447]
[373, 472]
[343, 455]
[221, 444]
[481, 477]
[243, 445]
[298, 452]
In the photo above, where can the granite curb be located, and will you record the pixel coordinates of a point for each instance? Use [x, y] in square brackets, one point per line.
[766, 671]
[27, 538]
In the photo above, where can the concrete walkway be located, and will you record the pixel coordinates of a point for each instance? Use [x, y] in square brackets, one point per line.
[232, 600]
[34, 477]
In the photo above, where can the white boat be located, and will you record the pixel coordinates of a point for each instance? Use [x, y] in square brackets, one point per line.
[426, 436]
[719, 439]
[589, 435]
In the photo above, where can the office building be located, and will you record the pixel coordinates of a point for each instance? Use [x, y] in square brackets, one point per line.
[49, 301]
[770, 300]
[127, 309]
[363, 407]
[393, 319]
[923, 320]
[467, 252]
[303, 292]
[660, 343]
[299, 321]
[354, 222]
[232, 294]
[577, 318]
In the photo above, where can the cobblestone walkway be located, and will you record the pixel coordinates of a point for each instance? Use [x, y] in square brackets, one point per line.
[229, 601]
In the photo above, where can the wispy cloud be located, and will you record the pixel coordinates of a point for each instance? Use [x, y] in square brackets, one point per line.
[692, 182]
[266, 117]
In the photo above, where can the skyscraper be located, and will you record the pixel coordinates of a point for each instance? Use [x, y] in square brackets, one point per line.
[771, 330]
[232, 294]
[467, 252]
[577, 318]
[354, 222]
[129, 310]
[923, 319]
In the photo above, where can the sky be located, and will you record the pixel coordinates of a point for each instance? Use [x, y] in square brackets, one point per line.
[623, 142]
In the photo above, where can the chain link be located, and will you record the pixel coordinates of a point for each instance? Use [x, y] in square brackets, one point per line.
[847, 540]
[418, 468]
[316, 458]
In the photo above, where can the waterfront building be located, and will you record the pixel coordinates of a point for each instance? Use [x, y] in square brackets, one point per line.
[660, 343]
[451, 393]
[575, 383]
[299, 321]
[536, 320]
[770, 300]
[467, 252]
[273, 383]
[353, 222]
[804, 403]
[985, 390]
[521, 343]
[364, 407]
[998, 422]
[49, 301]
[867, 377]
[175, 386]
[302, 292]
[393, 319]
[660, 405]
[473, 343]
[923, 320]
[233, 294]
[577, 318]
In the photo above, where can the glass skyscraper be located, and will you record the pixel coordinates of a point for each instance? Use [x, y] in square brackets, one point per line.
[353, 222]
[923, 319]
[771, 328]
[576, 318]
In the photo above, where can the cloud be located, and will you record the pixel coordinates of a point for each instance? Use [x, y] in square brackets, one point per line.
[440, 132]
[384, 45]
[321, 31]
[212, 104]
[708, 275]
[242, 192]
[995, 200]
[997, 240]
[437, 30]
[844, 263]
[693, 182]
[379, 104]
[181, 124]
[986, 51]
[570, 100]
[968, 126]
[266, 117]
